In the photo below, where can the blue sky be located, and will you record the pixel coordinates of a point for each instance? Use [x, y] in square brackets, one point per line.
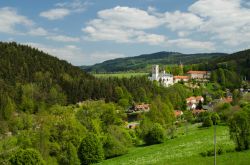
[85, 32]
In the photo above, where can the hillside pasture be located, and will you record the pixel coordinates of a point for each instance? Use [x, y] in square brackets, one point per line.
[185, 149]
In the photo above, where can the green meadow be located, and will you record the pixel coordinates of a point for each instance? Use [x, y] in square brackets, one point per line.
[185, 149]
[119, 75]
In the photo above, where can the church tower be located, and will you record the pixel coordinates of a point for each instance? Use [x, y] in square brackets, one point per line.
[155, 72]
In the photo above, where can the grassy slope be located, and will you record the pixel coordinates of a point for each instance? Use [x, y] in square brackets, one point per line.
[184, 149]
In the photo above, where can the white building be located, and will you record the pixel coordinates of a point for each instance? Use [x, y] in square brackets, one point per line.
[164, 78]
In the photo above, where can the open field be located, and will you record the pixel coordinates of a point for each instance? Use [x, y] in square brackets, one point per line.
[119, 75]
[185, 149]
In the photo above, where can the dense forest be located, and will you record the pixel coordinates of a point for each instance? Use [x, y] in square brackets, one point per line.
[144, 62]
[24, 69]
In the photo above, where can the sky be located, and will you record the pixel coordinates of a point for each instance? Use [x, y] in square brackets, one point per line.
[85, 32]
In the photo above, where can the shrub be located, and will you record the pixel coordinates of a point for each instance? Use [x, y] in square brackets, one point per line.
[69, 156]
[207, 122]
[27, 157]
[90, 150]
[155, 135]
[113, 147]
[210, 152]
[239, 130]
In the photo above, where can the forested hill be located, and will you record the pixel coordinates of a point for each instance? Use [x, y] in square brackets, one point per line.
[19, 63]
[140, 63]
[238, 62]
[31, 79]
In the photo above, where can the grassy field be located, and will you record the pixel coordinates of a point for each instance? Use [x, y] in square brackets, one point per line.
[185, 150]
[119, 75]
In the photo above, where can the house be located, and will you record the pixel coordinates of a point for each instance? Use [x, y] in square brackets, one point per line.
[181, 78]
[142, 107]
[163, 78]
[191, 106]
[178, 113]
[193, 101]
[132, 125]
[227, 99]
[139, 108]
[198, 74]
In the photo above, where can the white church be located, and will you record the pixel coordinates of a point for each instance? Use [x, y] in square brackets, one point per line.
[164, 78]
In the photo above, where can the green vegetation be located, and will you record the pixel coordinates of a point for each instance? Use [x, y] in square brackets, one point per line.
[119, 75]
[40, 121]
[185, 149]
[239, 128]
[28, 156]
[90, 150]
[143, 62]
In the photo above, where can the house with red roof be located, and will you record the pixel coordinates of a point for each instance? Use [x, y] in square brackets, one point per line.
[193, 101]
[198, 74]
[178, 113]
[181, 78]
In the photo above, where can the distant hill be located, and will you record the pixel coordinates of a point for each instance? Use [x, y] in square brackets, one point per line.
[140, 63]
[238, 62]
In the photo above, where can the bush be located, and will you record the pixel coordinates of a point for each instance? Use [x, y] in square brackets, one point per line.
[27, 157]
[90, 150]
[113, 147]
[239, 130]
[210, 152]
[155, 135]
[69, 156]
[207, 122]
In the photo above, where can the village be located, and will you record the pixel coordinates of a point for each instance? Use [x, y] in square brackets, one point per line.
[194, 104]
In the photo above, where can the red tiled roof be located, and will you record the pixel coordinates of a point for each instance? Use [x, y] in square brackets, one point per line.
[197, 98]
[142, 106]
[190, 98]
[197, 72]
[178, 113]
[181, 77]
[228, 100]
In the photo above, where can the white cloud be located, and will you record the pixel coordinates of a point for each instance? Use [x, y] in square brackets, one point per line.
[102, 32]
[13, 23]
[129, 18]
[189, 44]
[54, 14]
[75, 55]
[64, 9]
[178, 21]
[63, 38]
[124, 25]
[38, 32]
[226, 20]
[98, 57]
[74, 5]
[9, 19]
[70, 53]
